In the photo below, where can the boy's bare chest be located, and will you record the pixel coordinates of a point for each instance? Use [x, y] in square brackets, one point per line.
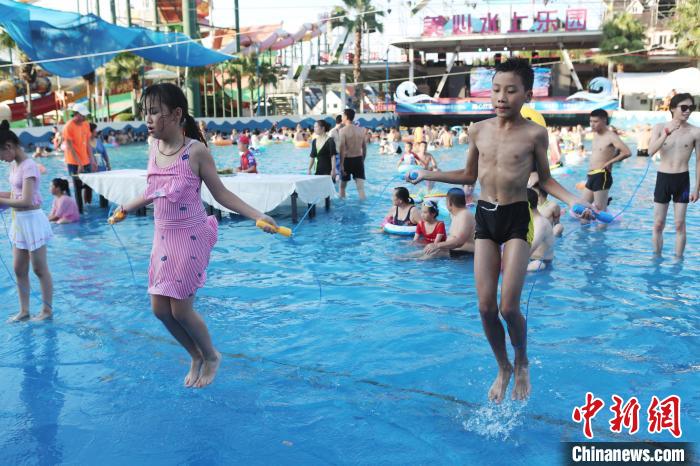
[501, 149]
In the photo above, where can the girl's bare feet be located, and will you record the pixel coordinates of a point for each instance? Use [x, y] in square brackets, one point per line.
[45, 314]
[21, 316]
[195, 369]
[208, 371]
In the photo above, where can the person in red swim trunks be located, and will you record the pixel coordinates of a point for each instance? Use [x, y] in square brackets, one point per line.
[248, 162]
[430, 229]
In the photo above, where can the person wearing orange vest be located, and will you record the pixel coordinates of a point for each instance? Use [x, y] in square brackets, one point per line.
[78, 153]
[248, 162]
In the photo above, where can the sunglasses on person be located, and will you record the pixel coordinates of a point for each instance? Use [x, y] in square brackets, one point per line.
[685, 108]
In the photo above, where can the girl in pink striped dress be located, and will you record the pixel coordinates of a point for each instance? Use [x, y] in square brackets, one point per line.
[184, 235]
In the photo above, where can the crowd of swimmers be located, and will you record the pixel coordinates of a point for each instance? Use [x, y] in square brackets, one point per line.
[511, 231]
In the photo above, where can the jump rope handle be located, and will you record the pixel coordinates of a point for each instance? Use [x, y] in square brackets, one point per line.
[118, 215]
[602, 216]
[284, 231]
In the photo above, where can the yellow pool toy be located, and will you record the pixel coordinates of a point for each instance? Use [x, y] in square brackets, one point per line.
[530, 113]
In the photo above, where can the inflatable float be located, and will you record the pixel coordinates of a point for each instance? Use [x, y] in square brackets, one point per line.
[400, 230]
[301, 144]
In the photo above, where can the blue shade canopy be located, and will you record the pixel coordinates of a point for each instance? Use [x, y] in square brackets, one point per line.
[45, 34]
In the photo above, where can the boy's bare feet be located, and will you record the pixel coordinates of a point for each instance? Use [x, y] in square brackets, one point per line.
[208, 371]
[195, 369]
[521, 389]
[45, 314]
[19, 317]
[500, 385]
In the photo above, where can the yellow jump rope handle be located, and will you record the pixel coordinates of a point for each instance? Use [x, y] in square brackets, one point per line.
[284, 231]
[116, 217]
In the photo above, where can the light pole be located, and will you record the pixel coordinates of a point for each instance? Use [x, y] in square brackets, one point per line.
[386, 89]
[239, 88]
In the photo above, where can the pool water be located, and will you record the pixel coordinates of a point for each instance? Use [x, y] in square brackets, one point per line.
[336, 349]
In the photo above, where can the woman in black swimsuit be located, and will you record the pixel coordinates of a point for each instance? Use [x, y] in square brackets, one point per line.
[403, 212]
[323, 151]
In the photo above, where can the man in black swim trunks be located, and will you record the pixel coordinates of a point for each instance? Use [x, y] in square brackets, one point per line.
[676, 141]
[353, 150]
[501, 154]
[607, 149]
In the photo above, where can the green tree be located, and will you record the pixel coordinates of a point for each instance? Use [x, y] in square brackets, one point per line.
[622, 33]
[267, 75]
[686, 28]
[7, 42]
[358, 16]
[126, 67]
[28, 74]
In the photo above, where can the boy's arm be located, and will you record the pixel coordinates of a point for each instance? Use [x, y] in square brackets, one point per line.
[620, 146]
[660, 135]
[467, 175]
[546, 181]
[694, 194]
[537, 239]
[341, 149]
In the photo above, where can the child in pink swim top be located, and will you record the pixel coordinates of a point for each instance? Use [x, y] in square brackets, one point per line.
[30, 231]
[184, 236]
[64, 208]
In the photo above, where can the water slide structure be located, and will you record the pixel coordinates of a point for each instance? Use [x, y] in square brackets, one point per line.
[47, 102]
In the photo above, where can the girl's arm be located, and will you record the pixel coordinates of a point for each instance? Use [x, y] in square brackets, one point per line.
[27, 200]
[136, 204]
[438, 238]
[207, 172]
[311, 164]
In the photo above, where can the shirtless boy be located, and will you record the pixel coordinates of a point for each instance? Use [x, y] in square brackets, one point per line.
[353, 150]
[606, 144]
[676, 141]
[501, 153]
[542, 248]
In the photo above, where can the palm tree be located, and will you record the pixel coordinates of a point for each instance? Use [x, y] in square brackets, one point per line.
[622, 33]
[366, 20]
[28, 73]
[686, 28]
[7, 42]
[126, 67]
[267, 75]
[90, 89]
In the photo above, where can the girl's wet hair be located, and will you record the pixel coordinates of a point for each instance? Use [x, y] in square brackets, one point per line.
[62, 185]
[432, 207]
[403, 195]
[171, 96]
[7, 135]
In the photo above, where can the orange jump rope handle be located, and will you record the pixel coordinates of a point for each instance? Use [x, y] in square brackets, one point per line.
[284, 231]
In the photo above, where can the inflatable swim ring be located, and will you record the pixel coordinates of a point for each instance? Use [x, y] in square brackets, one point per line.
[222, 142]
[404, 167]
[401, 230]
[530, 113]
[301, 144]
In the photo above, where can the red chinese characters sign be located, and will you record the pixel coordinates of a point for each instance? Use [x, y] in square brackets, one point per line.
[542, 21]
[662, 415]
